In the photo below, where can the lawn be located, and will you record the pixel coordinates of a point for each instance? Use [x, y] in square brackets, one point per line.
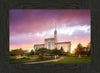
[66, 60]
[69, 60]
[13, 59]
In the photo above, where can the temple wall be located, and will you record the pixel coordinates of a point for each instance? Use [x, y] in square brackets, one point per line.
[66, 47]
[51, 42]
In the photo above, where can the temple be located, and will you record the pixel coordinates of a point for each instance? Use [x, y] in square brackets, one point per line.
[52, 43]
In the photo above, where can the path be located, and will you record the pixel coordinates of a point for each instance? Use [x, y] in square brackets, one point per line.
[55, 60]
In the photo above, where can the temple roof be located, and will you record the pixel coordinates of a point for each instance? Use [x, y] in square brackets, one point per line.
[49, 39]
[63, 43]
[39, 45]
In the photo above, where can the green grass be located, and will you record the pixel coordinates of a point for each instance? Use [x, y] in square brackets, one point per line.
[70, 60]
[13, 59]
[66, 60]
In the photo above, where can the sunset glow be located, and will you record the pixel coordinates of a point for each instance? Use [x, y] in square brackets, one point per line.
[29, 27]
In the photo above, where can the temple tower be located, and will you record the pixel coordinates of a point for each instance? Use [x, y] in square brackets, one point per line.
[55, 34]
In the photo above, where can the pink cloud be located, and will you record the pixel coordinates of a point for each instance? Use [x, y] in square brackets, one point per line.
[25, 24]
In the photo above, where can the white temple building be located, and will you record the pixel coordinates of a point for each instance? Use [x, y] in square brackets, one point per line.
[52, 43]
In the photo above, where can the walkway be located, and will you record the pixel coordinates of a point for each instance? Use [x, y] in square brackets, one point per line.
[55, 60]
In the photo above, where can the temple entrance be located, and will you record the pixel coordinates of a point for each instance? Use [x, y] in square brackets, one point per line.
[49, 45]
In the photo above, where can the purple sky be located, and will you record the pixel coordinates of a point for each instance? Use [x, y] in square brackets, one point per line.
[30, 26]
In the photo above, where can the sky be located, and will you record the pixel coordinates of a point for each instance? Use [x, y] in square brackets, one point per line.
[32, 26]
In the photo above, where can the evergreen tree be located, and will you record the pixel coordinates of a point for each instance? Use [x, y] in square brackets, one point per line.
[61, 50]
[32, 52]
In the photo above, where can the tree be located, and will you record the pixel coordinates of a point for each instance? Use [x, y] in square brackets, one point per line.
[79, 46]
[61, 51]
[42, 51]
[35, 49]
[32, 52]
[79, 49]
[48, 52]
[17, 52]
[56, 51]
[89, 48]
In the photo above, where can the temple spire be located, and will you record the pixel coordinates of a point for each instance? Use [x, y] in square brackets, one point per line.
[55, 33]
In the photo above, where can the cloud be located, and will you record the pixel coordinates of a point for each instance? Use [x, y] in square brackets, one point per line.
[26, 21]
[33, 26]
[64, 30]
[71, 30]
[74, 33]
